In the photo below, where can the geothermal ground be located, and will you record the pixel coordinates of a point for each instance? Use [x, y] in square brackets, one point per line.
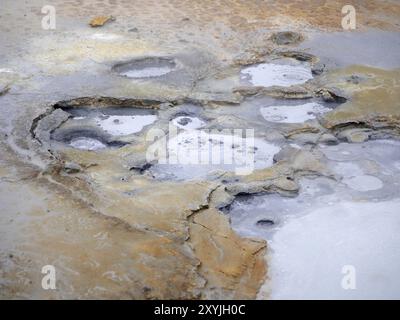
[101, 128]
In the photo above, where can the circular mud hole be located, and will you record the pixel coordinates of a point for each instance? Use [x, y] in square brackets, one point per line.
[283, 72]
[293, 114]
[265, 223]
[151, 67]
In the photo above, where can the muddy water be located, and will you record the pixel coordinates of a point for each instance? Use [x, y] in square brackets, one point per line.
[201, 155]
[293, 114]
[279, 73]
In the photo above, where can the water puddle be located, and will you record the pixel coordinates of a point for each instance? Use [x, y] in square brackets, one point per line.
[279, 73]
[365, 167]
[194, 154]
[145, 68]
[86, 143]
[294, 113]
[246, 213]
[384, 152]
[115, 121]
[124, 125]
[311, 254]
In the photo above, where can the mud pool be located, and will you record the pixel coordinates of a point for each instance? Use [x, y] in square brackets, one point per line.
[196, 155]
[93, 129]
[330, 222]
[293, 114]
[279, 73]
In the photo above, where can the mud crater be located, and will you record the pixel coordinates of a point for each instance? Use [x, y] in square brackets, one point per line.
[93, 129]
[149, 67]
[94, 123]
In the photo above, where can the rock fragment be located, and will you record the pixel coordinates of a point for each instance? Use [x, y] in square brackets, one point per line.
[100, 21]
[331, 95]
[299, 55]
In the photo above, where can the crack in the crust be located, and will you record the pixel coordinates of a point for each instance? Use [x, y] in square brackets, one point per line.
[75, 195]
[202, 225]
[35, 123]
[202, 206]
[300, 131]
[109, 101]
[41, 175]
[128, 226]
[142, 168]
[131, 227]
[363, 125]
[213, 234]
